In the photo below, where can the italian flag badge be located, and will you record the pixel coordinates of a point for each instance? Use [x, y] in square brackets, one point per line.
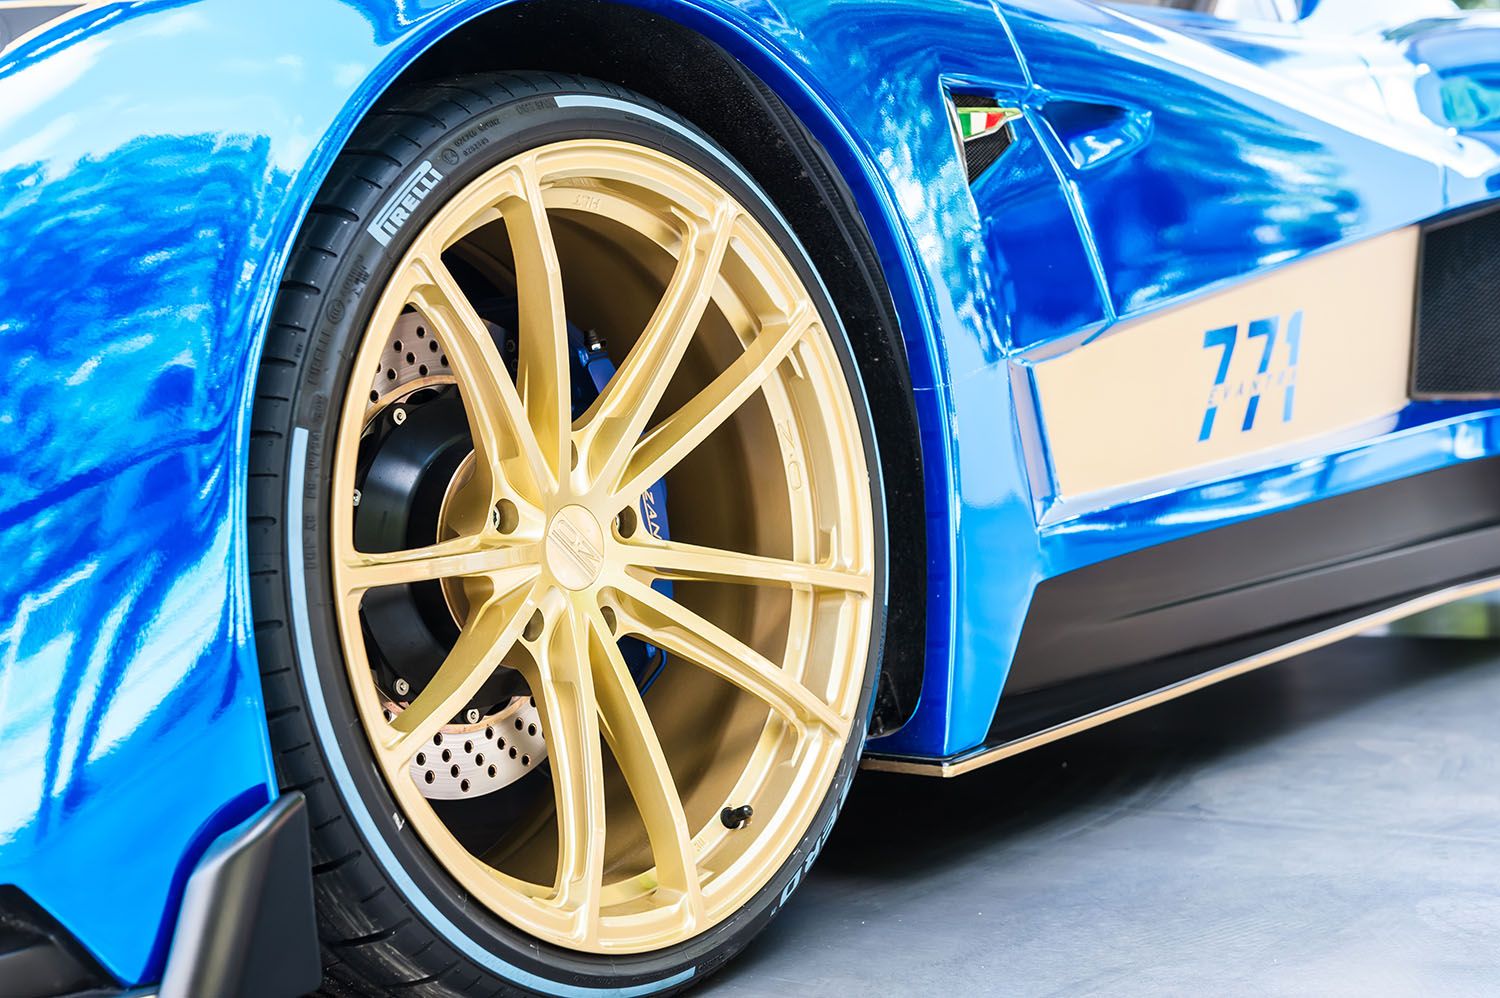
[977, 122]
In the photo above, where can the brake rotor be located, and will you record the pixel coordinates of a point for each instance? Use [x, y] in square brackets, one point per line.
[412, 353]
[497, 749]
[470, 760]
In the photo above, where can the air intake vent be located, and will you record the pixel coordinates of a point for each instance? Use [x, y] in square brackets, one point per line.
[981, 151]
[1458, 309]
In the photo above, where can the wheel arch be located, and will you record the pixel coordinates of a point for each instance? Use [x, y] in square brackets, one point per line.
[793, 157]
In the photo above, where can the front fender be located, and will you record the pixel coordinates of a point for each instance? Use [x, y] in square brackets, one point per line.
[156, 160]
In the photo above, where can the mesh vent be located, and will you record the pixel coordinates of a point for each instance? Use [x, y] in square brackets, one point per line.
[1458, 311]
[980, 154]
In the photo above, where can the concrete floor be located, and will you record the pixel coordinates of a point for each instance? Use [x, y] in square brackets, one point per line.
[1329, 826]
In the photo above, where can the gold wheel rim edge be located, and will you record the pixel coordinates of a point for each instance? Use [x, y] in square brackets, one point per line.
[513, 901]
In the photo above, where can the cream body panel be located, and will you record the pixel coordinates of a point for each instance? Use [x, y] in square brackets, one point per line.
[1134, 406]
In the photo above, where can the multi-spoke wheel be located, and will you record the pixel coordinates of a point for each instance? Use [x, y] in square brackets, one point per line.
[583, 563]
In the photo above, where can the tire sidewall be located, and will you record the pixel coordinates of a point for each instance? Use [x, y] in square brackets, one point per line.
[410, 196]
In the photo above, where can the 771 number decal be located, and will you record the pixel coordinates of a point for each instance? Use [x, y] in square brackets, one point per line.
[1265, 381]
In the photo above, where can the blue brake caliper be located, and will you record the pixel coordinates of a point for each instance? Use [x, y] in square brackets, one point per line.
[592, 370]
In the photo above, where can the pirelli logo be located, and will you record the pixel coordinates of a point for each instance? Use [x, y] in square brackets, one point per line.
[399, 206]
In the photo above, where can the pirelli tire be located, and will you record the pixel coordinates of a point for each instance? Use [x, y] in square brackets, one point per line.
[399, 910]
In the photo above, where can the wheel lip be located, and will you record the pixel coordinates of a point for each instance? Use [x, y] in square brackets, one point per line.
[852, 400]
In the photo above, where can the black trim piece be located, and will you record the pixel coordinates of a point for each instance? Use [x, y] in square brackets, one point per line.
[983, 152]
[1297, 641]
[247, 927]
[1112, 631]
[1456, 349]
[1028, 713]
[38, 957]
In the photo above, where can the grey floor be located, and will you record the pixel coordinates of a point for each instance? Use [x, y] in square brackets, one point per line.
[1329, 826]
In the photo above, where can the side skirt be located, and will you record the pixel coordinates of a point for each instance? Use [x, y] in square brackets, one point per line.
[960, 764]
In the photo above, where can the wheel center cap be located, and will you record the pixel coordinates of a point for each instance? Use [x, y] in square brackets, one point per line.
[575, 547]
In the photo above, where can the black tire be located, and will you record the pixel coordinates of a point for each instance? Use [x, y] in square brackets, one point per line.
[390, 918]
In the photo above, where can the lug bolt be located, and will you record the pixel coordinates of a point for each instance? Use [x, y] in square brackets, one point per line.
[402, 687]
[473, 715]
[504, 516]
[398, 415]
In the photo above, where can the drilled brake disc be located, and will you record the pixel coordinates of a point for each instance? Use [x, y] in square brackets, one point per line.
[471, 759]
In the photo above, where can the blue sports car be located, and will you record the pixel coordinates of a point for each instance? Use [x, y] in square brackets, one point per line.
[478, 478]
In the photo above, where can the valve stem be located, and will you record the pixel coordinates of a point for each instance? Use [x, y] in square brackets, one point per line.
[736, 817]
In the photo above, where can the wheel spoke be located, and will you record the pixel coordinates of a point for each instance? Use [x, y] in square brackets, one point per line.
[632, 738]
[668, 624]
[675, 560]
[674, 437]
[619, 416]
[486, 638]
[562, 683]
[497, 422]
[542, 373]
[454, 558]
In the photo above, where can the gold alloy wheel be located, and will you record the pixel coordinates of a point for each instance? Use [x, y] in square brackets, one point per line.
[729, 389]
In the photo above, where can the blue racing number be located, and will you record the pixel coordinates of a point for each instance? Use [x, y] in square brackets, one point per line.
[1263, 381]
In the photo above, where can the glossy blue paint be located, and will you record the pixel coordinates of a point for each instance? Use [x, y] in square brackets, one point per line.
[1285, 167]
[1453, 66]
[133, 116]
[156, 159]
[1461, 88]
[1045, 282]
